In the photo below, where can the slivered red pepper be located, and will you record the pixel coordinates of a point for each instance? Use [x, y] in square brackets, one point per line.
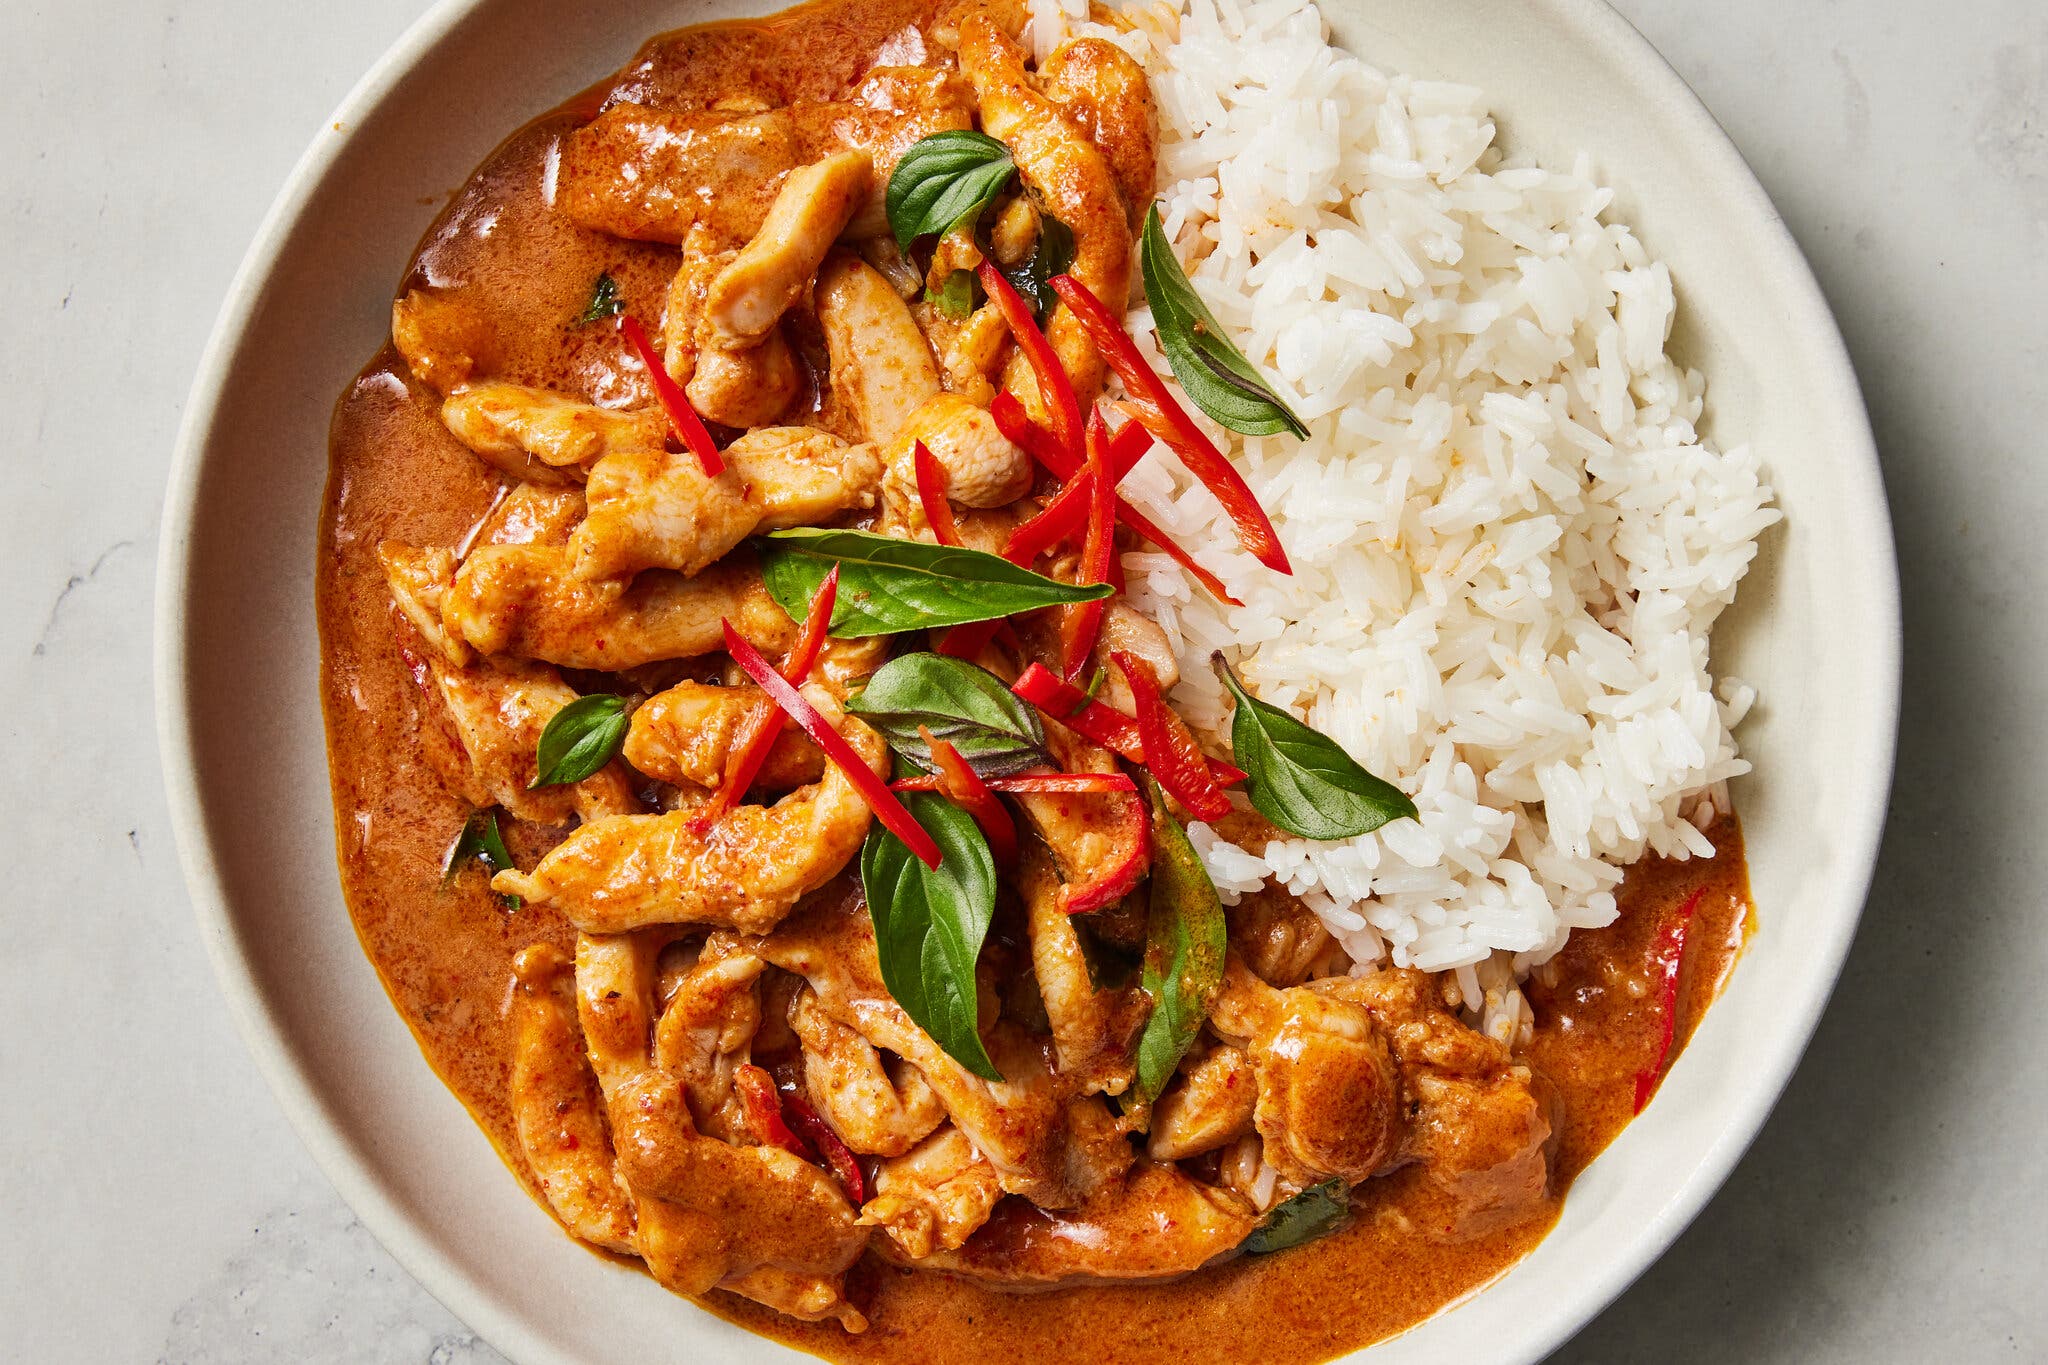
[887, 808]
[1030, 784]
[1671, 956]
[689, 427]
[1171, 753]
[760, 729]
[964, 788]
[1016, 424]
[1055, 391]
[931, 491]
[1097, 722]
[1063, 517]
[1081, 625]
[762, 1104]
[1175, 427]
[798, 1115]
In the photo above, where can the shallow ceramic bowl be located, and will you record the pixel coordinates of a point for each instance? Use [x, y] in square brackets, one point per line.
[237, 656]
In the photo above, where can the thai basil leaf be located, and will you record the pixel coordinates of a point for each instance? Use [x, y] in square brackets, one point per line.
[1316, 1212]
[1053, 255]
[954, 298]
[943, 179]
[930, 923]
[605, 301]
[1299, 778]
[580, 738]
[479, 839]
[1184, 947]
[887, 586]
[1212, 371]
[964, 705]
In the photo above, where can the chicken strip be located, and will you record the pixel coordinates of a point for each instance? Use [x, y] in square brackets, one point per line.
[983, 467]
[879, 361]
[875, 1109]
[1105, 93]
[444, 342]
[749, 296]
[1052, 1151]
[499, 708]
[685, 734]
[1210, 1107]
[1152, 1224]
[705, 1029]
[1075, 183]
[744, 872]
[557, 1108]
[892, 109]
[545, 437]
[736, 385]
[934, 1196]
[522, 600]
[754, 1219]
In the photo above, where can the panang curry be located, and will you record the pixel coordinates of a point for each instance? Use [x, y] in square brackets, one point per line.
[723, 559]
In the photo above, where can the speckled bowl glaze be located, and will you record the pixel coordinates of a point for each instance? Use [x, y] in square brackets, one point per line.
[1817, 629]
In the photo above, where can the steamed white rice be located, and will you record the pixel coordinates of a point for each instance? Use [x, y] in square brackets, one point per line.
[1509, 542]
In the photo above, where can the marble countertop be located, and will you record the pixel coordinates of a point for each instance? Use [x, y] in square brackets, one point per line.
[156, 1206]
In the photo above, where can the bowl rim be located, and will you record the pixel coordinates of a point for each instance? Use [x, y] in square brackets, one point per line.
[370, 1197]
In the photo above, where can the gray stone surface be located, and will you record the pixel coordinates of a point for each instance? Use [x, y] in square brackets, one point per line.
[156, 1207]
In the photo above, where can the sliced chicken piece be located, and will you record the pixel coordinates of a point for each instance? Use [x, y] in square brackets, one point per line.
[1153, 1223]
[745, 872]
[532, 514]
[522, 600]
[1103, 90]
[1094, 1030]
[746, 385]
[657, 509]
[499, 708]
[1074, 182]
[879, 361]
[1098, 840]
[705, 1029]
[1329, 1098]
[654, 174]
[875, 1108]
[1051, 1151]
[933, 1197]
[802, 476]
[684, 735]
[751, 293]
[545, 437]
[444, 342]
[1125, 630]
[754, 1219]
[420, 581]
[557, 1108]
[1210, 1107]
[984, 468]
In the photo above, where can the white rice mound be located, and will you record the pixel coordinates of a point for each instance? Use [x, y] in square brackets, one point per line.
[1509, 542]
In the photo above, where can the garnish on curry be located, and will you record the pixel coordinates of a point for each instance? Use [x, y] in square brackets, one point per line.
[755, 793]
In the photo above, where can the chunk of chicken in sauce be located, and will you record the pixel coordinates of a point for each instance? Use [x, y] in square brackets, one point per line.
[658, 509]
[754, 1219]
[1094, 1029]
[685, 734]
[542, 437]
[933, 1197]
[745, 871]
[879, 1105]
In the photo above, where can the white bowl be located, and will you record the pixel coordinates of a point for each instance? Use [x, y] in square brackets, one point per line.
[1817, 629]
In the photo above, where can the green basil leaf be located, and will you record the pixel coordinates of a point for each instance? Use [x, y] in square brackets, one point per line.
[1184, 947]
[1053, 255]
[966, 706]
[930, 923]
[479, 839]
[579, 739]
[943, 179]
[1212, 371]
[1299, 778]
[954, 298]
[605, 301]
[1316, 1212]
[887, 586]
